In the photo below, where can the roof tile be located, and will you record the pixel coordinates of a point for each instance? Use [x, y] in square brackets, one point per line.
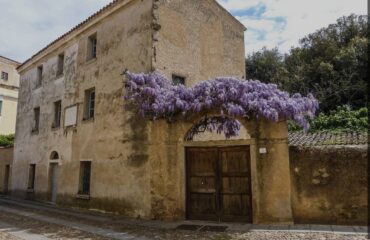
[327, 138]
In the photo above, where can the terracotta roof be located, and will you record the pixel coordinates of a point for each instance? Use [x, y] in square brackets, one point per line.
[326, 138]
[78, 26]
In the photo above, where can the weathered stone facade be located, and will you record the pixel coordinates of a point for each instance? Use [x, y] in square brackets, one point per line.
[9, 85]
[330, 184]
[137, 167]
[6, 160]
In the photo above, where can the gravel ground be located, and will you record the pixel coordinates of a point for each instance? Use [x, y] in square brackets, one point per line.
[296, 236]
[6, 236]
[246, 236]
[51, 231]
[54, 231]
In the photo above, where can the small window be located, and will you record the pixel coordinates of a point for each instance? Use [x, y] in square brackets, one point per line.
[4, 76]
[85, 175]
[31, 176]
[39, 76]
[91, 47]
[1, 106]
[60, 69]
[178, 80]
[57, 114]
[89, 104]
[36, 119]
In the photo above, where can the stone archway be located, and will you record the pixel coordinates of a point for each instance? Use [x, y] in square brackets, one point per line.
[270, 171]
[54, 155]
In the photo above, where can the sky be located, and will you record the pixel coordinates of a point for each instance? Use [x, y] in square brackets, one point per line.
[28, 26]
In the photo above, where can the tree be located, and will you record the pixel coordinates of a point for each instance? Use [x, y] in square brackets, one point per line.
[267, 66]
[7, 140]
[331, 63]
[341, 119]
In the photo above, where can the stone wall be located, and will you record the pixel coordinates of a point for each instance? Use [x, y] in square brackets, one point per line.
[111, 139]
[329, 184]
[198, 40]
[6, 159]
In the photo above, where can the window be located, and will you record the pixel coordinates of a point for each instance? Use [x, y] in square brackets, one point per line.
[177, 80]
[39, 76]
[1, 106]
[4, 76]
[85, 175]
[60, 69]
[57, 114]
[31, 176]
[36, 119]
[91, 47]
[89, 104]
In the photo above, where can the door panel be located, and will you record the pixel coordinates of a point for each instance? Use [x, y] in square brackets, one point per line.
[235, 185]
[201, 183]
[218, 184]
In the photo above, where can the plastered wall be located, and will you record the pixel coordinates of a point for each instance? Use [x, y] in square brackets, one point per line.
[329, 184]
[6, 159]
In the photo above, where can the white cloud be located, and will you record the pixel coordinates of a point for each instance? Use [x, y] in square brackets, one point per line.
[27, 26]
[301, 16]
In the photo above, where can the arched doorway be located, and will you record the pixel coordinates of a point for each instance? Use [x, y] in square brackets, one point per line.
[269, 167]
[53, 176]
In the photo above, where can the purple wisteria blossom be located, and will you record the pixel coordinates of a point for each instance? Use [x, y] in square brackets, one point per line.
[155, 97]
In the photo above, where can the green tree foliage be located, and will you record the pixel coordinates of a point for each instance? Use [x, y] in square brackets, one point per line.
[267, 66]
[330, 63]
[341, 119]
[7, 140]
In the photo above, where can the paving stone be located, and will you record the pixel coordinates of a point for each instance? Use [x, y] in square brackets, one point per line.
[78, 224]
[279, 227]
[343, 229]
[361, 229]
[7, 236]
[240, 227]
[321, 228]
[10, 232]
[300, 228]
[260, 227]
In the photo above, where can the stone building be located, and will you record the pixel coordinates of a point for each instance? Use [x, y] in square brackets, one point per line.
[77, 145]
[9, 85]
[6, 160]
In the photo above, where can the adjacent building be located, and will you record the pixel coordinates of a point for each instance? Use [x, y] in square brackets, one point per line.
[78, 145]
[9, 85]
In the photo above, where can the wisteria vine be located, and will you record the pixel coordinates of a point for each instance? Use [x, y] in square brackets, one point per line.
[155, 97]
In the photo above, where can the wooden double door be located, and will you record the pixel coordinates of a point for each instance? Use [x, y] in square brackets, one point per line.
[219, 184]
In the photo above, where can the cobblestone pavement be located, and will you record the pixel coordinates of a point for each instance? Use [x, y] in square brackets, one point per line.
[25, 220]
[6, 236]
